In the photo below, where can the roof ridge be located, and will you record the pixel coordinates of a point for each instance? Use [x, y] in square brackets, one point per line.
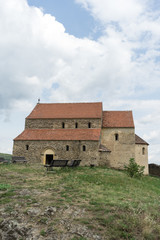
[70, 103]
[117, 111]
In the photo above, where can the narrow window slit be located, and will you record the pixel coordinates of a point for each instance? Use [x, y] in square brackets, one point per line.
[116, 137]
[143, 151]
[84, 148]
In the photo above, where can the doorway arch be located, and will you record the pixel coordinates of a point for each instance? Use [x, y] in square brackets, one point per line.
[48, 156]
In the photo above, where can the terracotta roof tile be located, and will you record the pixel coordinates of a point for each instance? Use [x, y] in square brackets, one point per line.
[118, 119]
[59, 134]
[139, 140]
[66, 110]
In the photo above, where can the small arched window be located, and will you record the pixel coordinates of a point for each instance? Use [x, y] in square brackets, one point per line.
[67, 148]
[76, 125]
[143, 151]
[27, 147]
[63, 125]
[84, 148]
[89, 125]
[116, 137]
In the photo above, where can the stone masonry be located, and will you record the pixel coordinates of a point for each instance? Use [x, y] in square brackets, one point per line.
[122, 149]
[36, 150]
[141, 156]
[82, 131]
[57, 123]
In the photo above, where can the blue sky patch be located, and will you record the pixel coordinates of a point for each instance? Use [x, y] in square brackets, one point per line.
[76, 20]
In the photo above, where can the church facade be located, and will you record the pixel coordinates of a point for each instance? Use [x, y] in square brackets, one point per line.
[82, 131]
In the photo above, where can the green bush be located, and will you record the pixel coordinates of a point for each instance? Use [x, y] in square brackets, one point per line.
[4, 187]
[133, 169]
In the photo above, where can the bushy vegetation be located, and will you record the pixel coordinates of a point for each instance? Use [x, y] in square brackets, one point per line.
[133, 169]
[110, 204]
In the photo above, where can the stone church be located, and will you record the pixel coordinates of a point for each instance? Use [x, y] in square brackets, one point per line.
[82, 131]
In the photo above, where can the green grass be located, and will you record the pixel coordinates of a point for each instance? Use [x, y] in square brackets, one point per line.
[115, 206]
[4, 187]
[42, 232]
[6, 156]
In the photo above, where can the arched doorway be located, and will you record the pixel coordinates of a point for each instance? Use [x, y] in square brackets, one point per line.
[48, 156]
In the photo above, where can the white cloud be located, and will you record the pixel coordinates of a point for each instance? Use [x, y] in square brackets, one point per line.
[36, 46]
[39, 59]
[106, 10]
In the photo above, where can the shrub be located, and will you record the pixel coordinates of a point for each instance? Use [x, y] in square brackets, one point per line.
[133, 169]
[42, 232]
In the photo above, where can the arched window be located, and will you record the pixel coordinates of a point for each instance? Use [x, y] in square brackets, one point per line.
[27, 147]
[116, 137]
[84, 148]
[67, 147]
[89, 125]
[76, 125]
[63, 125]
[143, 151]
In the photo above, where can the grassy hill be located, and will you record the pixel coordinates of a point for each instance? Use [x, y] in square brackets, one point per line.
[81, 203]
[6, 156]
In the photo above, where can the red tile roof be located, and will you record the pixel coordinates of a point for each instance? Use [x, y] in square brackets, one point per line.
[59, 134]
[139, 140]
[66, 110]
[118, 119]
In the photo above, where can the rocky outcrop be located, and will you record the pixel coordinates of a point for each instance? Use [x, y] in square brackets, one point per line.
[35, 224]
[12, 230]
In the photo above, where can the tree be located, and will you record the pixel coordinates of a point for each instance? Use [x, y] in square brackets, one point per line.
[133, 169]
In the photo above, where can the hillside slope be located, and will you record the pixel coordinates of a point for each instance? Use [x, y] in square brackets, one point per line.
[81, 203]
[6, 156]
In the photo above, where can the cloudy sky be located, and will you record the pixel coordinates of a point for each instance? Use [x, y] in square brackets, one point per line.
[80, 50]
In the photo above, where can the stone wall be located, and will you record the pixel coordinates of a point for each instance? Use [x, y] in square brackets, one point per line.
[57, 123]
[36, 150]
[141, 156]
[122, 149]
[104, 159]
